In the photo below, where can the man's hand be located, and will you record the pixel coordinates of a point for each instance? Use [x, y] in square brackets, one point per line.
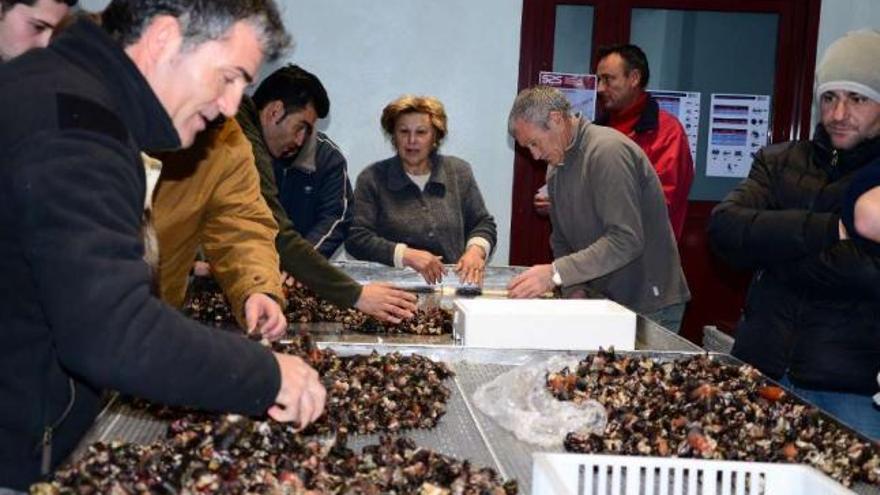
[471, 265]
[430, 266]
[841, 231]
[201, 269]
[531, 283]
[541, 202]
[288, 281]
[262, 313]
[301, 396]
[386, 303]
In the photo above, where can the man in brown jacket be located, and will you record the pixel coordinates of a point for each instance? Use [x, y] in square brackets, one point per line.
[209, 196]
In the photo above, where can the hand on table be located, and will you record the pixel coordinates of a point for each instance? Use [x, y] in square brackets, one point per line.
[430, 266]
[386, 303]
[470, 267]
[301, 396]
[263, 314]
[533, 282]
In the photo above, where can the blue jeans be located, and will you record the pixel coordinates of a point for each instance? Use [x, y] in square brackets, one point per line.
[668, 317]
[856, 410]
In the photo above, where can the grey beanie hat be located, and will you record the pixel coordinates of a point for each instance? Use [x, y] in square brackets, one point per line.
[852, 63]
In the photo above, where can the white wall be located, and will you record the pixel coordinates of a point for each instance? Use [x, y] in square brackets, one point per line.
[367, 53]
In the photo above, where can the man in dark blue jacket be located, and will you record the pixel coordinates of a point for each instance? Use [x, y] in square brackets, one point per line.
[309, 170]
[76, 313]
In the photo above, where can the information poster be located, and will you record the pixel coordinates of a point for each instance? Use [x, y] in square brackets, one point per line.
[580, 89]
[738, 126]
[685, 106]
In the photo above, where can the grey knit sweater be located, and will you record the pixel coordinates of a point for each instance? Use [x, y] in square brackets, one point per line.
[389, 208]
[611, 231]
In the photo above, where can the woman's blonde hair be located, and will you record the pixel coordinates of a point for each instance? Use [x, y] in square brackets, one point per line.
[416, 104]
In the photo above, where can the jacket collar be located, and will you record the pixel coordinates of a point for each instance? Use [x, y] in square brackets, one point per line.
[88, 46]
[398, 180]
[847, 160]
[306, 157]
[580, 131]
[247, 115]
[648, 120]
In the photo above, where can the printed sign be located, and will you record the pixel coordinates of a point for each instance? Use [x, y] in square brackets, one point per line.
[580, 89]
[685, 106]
[738, 127]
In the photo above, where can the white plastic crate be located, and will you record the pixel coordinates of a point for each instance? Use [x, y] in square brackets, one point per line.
[589, 474]
[582, 324]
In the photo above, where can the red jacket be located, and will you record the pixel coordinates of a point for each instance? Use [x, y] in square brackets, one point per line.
[662, 138]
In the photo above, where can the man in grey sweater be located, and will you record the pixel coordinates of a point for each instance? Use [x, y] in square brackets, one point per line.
[611, 233]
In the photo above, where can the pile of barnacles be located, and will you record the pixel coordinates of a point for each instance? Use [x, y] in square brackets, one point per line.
[365, 393]
[699, 407]
[234, 455]
[210, 453]
[207, 304]
[372, 393]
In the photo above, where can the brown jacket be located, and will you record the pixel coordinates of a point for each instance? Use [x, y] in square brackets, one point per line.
[209, 196]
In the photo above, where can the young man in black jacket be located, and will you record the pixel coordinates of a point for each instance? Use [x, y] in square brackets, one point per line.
[76, 313]
[26, 24]
[310, 171]
[278, 121]
[810, 318]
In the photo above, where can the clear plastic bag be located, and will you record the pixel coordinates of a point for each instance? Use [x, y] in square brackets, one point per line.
[520, 402]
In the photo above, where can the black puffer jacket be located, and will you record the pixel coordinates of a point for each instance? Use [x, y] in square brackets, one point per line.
[813, 308]
[76, 314]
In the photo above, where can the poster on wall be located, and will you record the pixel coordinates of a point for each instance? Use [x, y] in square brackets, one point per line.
[580, 89]
[738, 126]
[685, 106]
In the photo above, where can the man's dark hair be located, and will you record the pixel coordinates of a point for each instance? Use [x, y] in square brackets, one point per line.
[634, 58]
[296, 88]
[6, 5]
[200, 20]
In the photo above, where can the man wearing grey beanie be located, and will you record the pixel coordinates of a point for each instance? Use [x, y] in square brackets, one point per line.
[811, 314]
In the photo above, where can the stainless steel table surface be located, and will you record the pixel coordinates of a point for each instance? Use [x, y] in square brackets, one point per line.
[464, 431]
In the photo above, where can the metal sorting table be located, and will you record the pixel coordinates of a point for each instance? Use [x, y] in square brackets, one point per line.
[464, 432]
[649, 335]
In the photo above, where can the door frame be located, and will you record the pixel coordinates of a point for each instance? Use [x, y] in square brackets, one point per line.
[797, 37]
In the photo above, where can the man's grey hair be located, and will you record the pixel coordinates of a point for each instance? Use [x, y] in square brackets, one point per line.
[200, 20]
[534, 105]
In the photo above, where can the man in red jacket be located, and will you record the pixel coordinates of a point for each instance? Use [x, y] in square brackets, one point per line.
[623, 76]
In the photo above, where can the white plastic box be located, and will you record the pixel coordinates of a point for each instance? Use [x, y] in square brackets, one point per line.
[583, 474]
[582, 324]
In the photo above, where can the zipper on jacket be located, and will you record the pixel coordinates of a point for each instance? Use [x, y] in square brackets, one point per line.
[46, 442]
[834, 158]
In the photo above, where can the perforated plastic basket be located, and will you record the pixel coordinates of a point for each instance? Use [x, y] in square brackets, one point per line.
[586, 474]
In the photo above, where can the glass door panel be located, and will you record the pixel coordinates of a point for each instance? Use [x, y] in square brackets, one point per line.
[709, 52]
[573, 39]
